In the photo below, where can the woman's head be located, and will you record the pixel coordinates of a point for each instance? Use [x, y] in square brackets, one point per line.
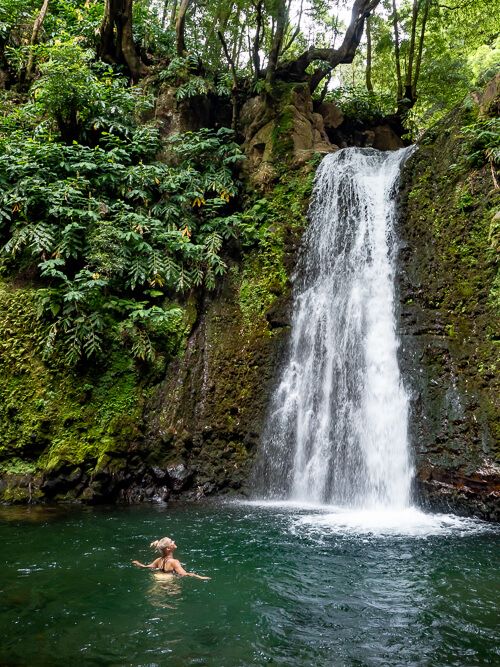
[164, 544]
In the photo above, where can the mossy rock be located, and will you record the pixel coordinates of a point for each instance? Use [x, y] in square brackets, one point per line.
[449, 311]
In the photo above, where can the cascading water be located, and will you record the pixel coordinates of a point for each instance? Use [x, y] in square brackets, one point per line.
[337, 429]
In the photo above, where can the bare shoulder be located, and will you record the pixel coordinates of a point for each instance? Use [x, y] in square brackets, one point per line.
[175, 566]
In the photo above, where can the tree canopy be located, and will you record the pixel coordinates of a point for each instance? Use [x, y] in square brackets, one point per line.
[422, 53]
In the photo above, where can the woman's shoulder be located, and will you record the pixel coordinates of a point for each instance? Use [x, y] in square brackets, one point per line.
[170, 563]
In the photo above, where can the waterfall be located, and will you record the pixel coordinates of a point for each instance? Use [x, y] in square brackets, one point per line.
[337, 427]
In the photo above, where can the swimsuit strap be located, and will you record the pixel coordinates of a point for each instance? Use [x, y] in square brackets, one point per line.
[164, 563]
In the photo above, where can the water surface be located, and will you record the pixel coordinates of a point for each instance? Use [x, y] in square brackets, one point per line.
[290, 586]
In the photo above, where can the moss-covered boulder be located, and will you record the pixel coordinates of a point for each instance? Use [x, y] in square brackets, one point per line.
[281, 127]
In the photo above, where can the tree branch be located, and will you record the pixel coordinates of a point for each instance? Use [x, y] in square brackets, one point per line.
[234, 89]
[296, 69]
[296, 32]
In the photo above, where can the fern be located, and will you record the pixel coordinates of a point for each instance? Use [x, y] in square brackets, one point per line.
[100, 222]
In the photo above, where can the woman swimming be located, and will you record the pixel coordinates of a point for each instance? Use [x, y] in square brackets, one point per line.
[166, 563]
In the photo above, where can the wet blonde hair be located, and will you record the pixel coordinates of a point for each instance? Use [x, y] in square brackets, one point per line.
[162, 544]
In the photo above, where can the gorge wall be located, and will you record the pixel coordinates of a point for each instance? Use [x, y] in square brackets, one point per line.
[449, 316]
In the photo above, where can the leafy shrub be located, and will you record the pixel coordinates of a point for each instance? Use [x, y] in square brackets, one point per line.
[113, 232]
[483, 142]
[184, 73]
[149, 33]
[81, 96]
[358, 103]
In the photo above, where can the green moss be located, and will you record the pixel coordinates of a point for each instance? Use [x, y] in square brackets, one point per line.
[451, 210]
[49, 414]
[16, 494]
[284, 121]
[264, 279]
[264, 274]
[16, 466]
[282, 135]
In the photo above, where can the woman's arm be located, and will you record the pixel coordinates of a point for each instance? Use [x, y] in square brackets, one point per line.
[180, 570]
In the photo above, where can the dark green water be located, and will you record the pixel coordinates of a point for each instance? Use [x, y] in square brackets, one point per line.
[289, 587]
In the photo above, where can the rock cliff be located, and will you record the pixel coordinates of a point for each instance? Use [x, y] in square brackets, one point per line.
[118, 433]
[449, 318]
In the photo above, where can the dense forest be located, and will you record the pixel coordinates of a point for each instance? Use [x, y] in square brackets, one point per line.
[156, 159]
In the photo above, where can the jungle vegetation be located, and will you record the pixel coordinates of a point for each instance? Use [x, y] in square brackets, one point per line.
[115, 224]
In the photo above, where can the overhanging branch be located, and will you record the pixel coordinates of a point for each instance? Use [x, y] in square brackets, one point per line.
[295, 70]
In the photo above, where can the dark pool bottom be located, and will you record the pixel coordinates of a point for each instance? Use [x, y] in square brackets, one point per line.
[290, 586]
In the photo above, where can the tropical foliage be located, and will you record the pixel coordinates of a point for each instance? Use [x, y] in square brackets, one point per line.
[112, 232]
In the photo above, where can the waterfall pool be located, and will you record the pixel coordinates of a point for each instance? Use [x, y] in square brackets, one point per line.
[291, 585]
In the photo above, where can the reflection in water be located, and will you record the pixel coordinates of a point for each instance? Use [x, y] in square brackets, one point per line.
[165, 590]
[32, 513]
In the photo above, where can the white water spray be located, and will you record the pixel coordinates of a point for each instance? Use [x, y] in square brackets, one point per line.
[337, 431]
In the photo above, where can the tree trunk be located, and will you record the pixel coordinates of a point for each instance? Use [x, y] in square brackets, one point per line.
[234, 88]
[180, 26]
[219, 24]
[116, 44]
[411, 49]
[135, 64]
[34, 38]
[296, 69]
[369, 84]
[397, 52]
[281, 21]
[238, 43]
[106, 49]
[164, 14]
[296, 32]
[173, 15]
[257, 38]
[414, 56]
[420, 49]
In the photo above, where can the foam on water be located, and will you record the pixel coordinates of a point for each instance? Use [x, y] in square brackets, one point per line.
[311, 518]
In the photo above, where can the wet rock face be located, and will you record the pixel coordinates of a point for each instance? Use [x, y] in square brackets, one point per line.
[446, 312]
[191, 114]
[196, 432]
[332, 115]
[384, 134]
[205, 420]
[124, 481]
